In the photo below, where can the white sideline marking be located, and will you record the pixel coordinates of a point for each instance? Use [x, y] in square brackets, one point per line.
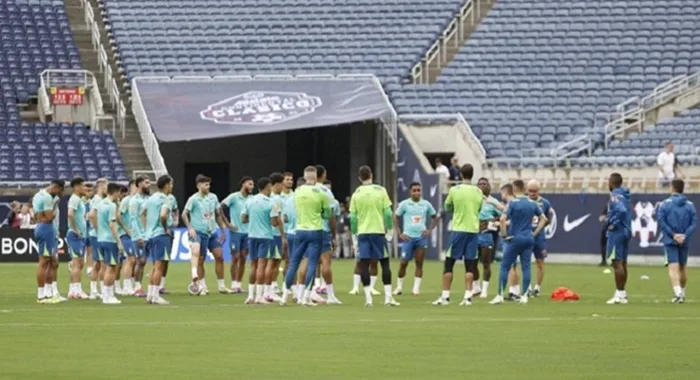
[357, 321]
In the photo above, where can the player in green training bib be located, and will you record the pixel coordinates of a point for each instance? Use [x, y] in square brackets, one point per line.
[371, 220]
[464, 201]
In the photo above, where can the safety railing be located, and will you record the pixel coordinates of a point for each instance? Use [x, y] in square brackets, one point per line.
[631, 121]
[150, 142]
[453, 35]
[671, 89]
[574, 147]
[470, 136]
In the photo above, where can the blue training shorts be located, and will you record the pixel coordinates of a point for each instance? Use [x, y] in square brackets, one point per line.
[372, 246]
[109, 252]
[238, 241]
[46, 239]
[540, 248]
[409, 248]
[463, 246]
[326, 245]
[676, 254]
[276, 250]
[214, 242]
[485, 240]
[129, 246]
[259, 248]
[76, 245]
[159, 248]
[617, 246]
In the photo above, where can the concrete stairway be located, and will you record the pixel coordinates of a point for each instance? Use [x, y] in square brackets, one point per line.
[131, 147]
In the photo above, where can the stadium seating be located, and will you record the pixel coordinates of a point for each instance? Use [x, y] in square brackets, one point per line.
[35, 35]
[536, 72]
[217, 37]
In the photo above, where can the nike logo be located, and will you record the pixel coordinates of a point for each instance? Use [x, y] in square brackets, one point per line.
[568, 226]
[433, 189]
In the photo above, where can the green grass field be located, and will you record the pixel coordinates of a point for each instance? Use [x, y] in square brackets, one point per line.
[217, 337]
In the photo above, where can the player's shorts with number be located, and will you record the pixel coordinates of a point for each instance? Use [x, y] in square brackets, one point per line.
[485, 240]
[238, 241]
[409, 248]
[129, 246]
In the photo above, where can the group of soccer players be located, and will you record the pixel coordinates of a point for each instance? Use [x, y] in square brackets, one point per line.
[119, 228]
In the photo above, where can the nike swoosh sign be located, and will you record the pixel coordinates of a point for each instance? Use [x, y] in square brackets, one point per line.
[433, 189]
[568, 226]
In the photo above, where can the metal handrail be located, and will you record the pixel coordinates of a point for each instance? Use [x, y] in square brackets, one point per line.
[470, 132]
[581, 143]
[150, 143]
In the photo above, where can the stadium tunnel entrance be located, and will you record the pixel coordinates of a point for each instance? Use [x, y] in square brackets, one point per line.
[230, 127]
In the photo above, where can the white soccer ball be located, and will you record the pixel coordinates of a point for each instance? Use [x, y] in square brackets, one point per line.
[193, 289]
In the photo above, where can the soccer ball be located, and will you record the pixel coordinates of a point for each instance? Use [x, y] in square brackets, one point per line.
[193, 289]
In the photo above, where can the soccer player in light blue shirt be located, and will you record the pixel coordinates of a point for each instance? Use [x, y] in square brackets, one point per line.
[262, 214]
[124, 218]
[108, 240]
[414, 213]
[488, 224]
[173, 221]
[201, 215]
[289, 216]
[279, 240]
[138, 230]
[520, 238]
[76, 237]
[238, 231]
[540, 248]
[47, 241]
[158, 209]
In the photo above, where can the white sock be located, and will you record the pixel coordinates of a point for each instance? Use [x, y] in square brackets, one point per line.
[202, 284]
[517, 289]
[372, 281]
[387, 292]
[475, 286]
[117, 286]
[356, 280]
[251, 291]
[305, 295]
[267, 289]
[399, 283]
[71, 286]
[677, 291]
[48, 293]
[323, 282]
[537, 287]
[156, 291]
[93, 287]
[149, 292]
[485, 287]
[317, 282]
[233, 284]
[162, 282]
[331, 292]
[467, 294]
[105, 294]
[194, 272]
[54, 288]
[445, 294]
[102, 286]
[416, 284]
[368, 294]
[40, 293]
[220, 284]
[683, 291]
[623, 293]
[258, 291]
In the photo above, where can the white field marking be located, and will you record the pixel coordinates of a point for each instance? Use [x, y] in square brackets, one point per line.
[326, 322]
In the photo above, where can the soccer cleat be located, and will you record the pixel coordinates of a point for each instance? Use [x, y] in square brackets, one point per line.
[317, 298]
[320, 290]
[333, 301]
[441, 301]
[224, 290]
[261, 301]
[466, 302]
[397, 292]
[376, 292]
[272, 297]
[354, 292]
[236, 290]
[42, 301]
[483, 295]
[523, 299]
[249, 301]
[163, 291]
[275, 288]
[476, 292]
[309, 303]
[678, 299]
[533, 293]
[94, 296]
[204, 292]
[391, 302]
[159, 301]
[512, 297]
[139, 293]
[497, 300]
[368, 304]
[415, 294]
[60, 299]
[111, 301]
[616, 300]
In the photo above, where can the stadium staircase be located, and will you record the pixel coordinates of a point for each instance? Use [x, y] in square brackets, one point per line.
[450, 40]
[128, 139]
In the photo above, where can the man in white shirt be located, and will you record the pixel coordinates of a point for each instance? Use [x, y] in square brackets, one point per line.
[443, 172]
[666, 161]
